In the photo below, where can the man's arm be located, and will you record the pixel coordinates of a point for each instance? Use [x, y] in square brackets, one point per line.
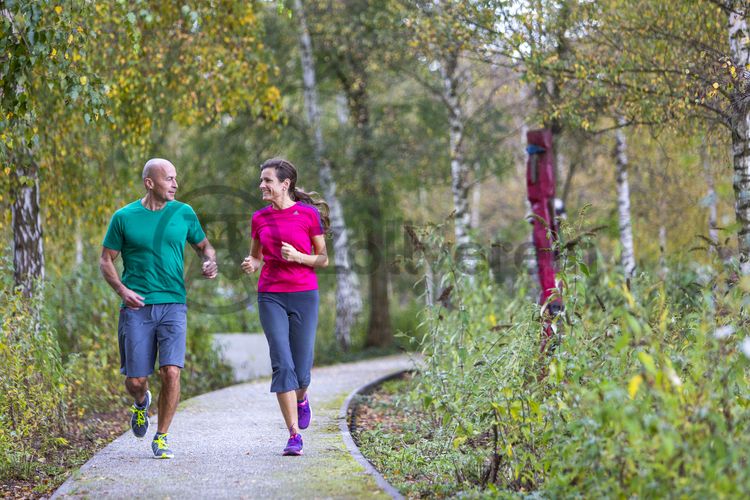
[109, 271]
[207, 254]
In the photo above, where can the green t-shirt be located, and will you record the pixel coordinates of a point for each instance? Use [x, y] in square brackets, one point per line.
[152, 244]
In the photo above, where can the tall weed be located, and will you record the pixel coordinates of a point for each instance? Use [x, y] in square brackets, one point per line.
[33, 386]
[646, 392]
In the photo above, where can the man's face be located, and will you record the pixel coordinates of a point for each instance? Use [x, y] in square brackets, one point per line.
[164, 182]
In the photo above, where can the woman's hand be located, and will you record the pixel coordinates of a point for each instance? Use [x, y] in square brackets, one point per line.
[288, 252]
[250, 264]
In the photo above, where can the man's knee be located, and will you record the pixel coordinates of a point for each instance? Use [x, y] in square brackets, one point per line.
[137, 383]
[170, 374]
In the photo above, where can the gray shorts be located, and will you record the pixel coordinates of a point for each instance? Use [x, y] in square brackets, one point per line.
[150, 329]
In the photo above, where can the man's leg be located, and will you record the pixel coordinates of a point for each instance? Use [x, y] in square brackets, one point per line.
[137, 387]
[169, 396]
[171, 335]
[137, 344]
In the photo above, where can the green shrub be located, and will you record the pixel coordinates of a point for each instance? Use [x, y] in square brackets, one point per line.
[85, 311]
[33, 387]
[640, 396]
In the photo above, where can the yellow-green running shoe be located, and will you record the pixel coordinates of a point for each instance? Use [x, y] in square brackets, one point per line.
[161, 447]
[139, 417]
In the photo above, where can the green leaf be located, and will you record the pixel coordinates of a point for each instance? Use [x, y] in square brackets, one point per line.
[648, 362]
[585, 269]
[622, 342]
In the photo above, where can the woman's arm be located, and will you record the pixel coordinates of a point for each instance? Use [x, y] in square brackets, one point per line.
[319, 259]
[253, 261]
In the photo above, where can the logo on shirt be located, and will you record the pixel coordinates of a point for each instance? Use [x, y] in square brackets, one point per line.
[295, 213]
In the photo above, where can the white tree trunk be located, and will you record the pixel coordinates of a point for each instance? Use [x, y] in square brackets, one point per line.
[476, 199]
[28, 241]
[459, 169]
[739, 49]
[429, 284]
[342, 109]
[79, 244]
[623, 202]
[663, 270]
[429, 274]
[348, 297]
[713, 232]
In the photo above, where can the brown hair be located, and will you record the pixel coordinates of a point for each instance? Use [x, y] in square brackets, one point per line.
[285, 170]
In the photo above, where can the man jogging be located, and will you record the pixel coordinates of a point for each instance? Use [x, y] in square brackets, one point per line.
[150, 233]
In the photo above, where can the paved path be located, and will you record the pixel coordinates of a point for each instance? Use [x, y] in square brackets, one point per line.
[228, 444]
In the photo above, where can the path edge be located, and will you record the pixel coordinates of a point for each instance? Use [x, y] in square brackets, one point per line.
[349, 441]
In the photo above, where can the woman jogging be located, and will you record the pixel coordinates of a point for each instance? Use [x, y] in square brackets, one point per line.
[288, 243]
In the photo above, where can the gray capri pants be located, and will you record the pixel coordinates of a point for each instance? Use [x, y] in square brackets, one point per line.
[289, 320]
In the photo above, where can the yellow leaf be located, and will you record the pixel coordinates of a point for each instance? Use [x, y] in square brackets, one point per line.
[458, 442]
[70, 39]
[492, 319]
[628, 296]
[58, 9]
[634, 385]
[53, 53]
[83, 80]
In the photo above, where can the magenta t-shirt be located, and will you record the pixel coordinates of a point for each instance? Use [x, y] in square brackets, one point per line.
[295, 225]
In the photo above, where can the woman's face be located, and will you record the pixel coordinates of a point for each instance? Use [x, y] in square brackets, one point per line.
[270, 187]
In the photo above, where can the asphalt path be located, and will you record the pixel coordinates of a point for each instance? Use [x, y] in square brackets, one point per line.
[228, 444]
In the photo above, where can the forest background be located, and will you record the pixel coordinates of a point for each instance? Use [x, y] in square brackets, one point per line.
[410, 118]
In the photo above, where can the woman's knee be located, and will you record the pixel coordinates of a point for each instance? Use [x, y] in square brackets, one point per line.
[284, 379]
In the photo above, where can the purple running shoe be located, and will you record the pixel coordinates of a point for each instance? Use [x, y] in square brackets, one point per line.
[304, 414]
[294, 445]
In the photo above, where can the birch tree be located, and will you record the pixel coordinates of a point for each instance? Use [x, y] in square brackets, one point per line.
[710, 199]
[663, 63]
[348, 298]
[351, 43]
[41, 65]
[739, 118]
[441, 40]
[452, 80]
[627, 257]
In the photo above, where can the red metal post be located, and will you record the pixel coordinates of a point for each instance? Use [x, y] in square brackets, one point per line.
[540, 185]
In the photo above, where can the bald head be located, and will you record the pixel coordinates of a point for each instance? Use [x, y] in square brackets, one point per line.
[155, 166]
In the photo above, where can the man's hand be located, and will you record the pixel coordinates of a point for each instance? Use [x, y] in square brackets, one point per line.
[131, 299]
[210, 269]
[250, 264]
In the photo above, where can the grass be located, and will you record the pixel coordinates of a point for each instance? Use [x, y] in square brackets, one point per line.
[413, 452]
[42, 475]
